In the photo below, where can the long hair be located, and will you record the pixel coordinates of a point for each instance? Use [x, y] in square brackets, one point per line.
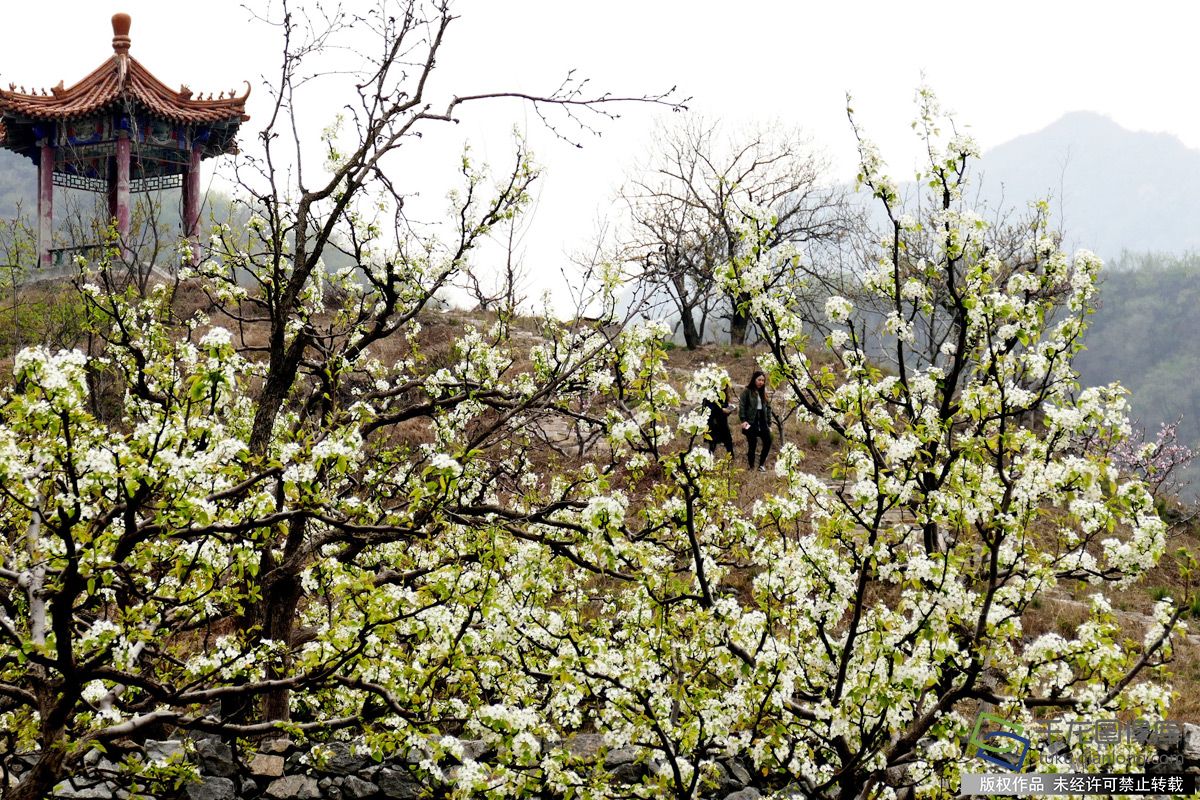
[753, 379]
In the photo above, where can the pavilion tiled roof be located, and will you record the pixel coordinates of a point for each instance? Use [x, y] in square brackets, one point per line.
[118, 80]
[115, 84]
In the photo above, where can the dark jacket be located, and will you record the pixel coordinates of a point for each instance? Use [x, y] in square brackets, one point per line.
[746, 407]
[718, 413]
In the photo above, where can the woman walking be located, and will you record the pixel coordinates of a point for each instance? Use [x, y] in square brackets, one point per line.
[718, 421]
[755, 413]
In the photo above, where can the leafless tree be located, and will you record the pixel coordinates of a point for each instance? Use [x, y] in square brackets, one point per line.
[690, 207]
[499, 289]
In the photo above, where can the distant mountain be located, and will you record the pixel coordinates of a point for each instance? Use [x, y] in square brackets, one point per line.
[18, 184]
[1112, 189]
[1130, 197]
[1143, 335]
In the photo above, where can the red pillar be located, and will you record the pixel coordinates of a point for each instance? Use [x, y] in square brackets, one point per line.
[112, 189]
[191, 204]
[45, 204]
[122, 194]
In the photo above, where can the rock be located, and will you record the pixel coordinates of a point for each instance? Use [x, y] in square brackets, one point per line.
[585, 745]
[473, 748]
[275, 746]
[354, 788]
[266, 766]
[749, 793]
[215, 758]
[726, 782]
[416, 755]
[162, 750]
[396, 784]
[736, 771]
[342, 761]
[99, 791]
[294, 787]
[211, 789]
[1165, 765]
[628, 772]
[620, 757]
[1191, 742]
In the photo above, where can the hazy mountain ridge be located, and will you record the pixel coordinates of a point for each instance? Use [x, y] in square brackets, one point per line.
[18, 184]
[1110, 188]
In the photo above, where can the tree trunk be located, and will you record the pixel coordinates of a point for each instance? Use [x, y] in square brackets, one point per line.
[691, 336]
[274, 619]
[687, 318]
[738, 326]
[279, 621]
[274, 392]
[46, 773]
[739, 318]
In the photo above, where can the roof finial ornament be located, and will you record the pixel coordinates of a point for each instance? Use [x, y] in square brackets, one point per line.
[120, 26]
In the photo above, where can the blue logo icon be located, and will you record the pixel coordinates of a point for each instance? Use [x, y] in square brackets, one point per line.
[999, 742]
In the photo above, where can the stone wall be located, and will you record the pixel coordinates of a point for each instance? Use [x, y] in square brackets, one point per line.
[276, 770]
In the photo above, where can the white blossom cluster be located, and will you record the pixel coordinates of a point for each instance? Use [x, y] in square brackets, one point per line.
[439, 564]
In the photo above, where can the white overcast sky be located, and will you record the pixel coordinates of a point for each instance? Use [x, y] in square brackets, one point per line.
[1004, 68]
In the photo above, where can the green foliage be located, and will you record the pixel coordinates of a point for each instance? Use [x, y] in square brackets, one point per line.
[1143, 334]
[41, 317]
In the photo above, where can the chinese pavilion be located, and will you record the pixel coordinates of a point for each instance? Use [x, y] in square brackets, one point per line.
[119, 130]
